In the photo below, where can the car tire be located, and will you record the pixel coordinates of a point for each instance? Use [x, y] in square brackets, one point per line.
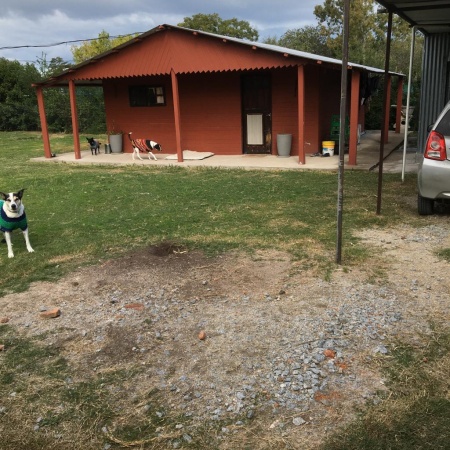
[425, 206]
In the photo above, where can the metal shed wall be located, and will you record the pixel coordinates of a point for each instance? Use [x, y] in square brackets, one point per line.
[435, 79]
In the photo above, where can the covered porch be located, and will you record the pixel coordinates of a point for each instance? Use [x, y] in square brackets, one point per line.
[302, 103]
[368, 157]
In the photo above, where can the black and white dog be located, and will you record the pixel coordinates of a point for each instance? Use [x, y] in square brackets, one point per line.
[144, 146]
[94, 144]
[12, 216]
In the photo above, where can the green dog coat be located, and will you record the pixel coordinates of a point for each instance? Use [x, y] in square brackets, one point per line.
[12, 223]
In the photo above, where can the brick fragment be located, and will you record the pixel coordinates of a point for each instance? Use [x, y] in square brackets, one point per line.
[51, 313]
[136, 306]
[4, 319]
[202, 335]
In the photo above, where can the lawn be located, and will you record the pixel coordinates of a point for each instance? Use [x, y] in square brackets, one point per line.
[83, 214]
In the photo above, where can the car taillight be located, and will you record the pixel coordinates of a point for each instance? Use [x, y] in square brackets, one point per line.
[435, 148]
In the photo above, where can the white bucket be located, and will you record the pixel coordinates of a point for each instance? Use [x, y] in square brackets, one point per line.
[328, 148]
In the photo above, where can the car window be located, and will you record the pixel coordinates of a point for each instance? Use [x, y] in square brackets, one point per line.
[443, 126]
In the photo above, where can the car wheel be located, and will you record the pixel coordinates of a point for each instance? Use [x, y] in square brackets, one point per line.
[425, 206]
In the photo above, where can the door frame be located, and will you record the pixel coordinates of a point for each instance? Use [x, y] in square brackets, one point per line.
[256, 93]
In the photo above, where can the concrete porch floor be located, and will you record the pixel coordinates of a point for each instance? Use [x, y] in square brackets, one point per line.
[367, 158]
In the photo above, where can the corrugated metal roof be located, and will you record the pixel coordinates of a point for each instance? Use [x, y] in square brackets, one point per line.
[296, 53]
[430, 16]
[311, 56]
[168, 47]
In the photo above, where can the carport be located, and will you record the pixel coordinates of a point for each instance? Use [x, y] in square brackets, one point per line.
[432, 18]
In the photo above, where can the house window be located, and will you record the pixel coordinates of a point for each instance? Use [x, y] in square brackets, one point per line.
[147, 96]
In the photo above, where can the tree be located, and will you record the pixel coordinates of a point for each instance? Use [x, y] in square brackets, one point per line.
[57, 105]
[213, 23]
[367, 43]
[18, 108]
[365, 36]
[90, 101]
[307, 39]
[91, 110]
[90, 104]
[89, 49]
[51, 68]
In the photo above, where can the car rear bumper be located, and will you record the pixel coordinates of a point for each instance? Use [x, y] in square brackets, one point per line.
[433, 179]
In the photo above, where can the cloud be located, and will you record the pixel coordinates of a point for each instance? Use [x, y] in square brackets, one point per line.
[27, 22]
[57, 27]
[258, 11]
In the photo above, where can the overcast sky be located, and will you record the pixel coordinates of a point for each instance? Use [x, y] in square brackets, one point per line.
[32, 23]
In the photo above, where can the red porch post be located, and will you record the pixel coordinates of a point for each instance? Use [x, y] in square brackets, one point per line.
[301, 113]
[398, 116]
[388, 108]
[73, 110]
[43, 118]
[354, 116]
[176, 113]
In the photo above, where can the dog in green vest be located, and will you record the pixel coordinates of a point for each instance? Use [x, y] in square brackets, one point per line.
[12, 217]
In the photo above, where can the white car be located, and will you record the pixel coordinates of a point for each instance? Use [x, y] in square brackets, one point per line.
[433, 178]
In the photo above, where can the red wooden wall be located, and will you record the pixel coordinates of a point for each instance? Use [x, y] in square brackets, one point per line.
[156, 123]
[330, 88]
[210, 107]
[211, 110]
[322, 99]
[284, 106]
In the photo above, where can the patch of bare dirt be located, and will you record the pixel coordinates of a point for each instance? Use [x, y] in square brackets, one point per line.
[267, 326]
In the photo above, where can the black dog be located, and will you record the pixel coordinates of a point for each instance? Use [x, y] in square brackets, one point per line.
[94, 144]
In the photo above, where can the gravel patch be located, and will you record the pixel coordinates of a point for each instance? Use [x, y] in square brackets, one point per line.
[280, 345]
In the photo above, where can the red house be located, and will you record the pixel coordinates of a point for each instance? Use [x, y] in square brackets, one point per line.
[193, 90]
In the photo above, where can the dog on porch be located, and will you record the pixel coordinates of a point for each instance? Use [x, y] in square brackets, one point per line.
[144, 146]
[94, 144]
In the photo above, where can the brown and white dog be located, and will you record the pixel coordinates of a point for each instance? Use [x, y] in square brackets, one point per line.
[144, 146]
[12, 217]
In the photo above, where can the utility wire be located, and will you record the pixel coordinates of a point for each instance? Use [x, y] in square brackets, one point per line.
[66, 42]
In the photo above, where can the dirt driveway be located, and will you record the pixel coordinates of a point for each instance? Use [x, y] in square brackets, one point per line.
[285, 355]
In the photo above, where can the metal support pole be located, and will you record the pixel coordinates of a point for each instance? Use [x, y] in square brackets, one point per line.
[408, 98]
[384, 131]
[343, 114]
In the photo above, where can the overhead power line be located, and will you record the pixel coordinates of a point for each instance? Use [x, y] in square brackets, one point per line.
[13, 47]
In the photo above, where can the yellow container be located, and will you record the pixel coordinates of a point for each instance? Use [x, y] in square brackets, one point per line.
[328, 148]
